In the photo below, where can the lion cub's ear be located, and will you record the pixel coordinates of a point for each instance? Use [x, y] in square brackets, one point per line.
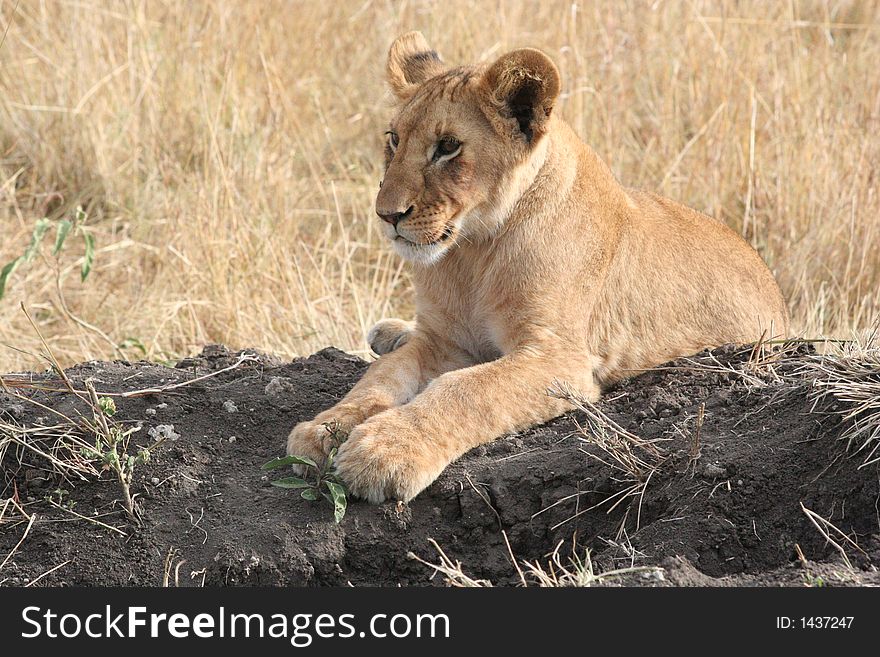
[411, 61]
[522, 87]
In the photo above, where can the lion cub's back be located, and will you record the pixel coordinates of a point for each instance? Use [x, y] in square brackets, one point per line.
[692, 282]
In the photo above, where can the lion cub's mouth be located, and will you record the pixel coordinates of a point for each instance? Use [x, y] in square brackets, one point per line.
[447, 234]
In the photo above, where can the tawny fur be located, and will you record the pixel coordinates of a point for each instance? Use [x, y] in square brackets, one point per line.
[531, 264]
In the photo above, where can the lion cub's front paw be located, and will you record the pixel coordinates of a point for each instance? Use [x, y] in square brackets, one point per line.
[314, 439]
[307, 439]
[386, 458]
[389, 334]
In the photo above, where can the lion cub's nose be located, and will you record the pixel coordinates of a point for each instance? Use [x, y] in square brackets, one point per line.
[394, 218]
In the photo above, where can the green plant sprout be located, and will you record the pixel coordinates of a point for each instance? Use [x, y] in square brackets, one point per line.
[60, 497]
[64, 228]
[111, 446]
[319, 480]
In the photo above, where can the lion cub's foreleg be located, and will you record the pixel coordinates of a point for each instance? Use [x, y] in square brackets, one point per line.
[398, 452]
[392, 380]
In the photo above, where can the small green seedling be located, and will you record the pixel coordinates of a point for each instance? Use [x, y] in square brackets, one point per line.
[60, 497]
[815, 582]
[319, 480]
[111, 446]
[63, 228]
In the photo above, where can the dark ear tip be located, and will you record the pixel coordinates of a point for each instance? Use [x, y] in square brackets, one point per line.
[411, 61]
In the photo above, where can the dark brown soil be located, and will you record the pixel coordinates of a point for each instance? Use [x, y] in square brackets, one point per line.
[732, 517]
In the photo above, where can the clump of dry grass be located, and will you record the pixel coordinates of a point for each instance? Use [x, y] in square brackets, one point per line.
[227, 154]
[579, 571]
[556, 572]
[850, 376]
[81, 444]
[451, 571]
[635, 460]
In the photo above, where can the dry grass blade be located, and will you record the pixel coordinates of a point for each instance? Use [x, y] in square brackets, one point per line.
[11, 382]
[451, 570]
[170, 567]
[4, 510]
[48, 572]
[513, 560]
[49, 354]
[696, 447]
[87, 519]
[27, 531]
[826, 528]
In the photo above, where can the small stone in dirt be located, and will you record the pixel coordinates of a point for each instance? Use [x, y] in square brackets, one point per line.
[654, 575]
[278, 385]
[713, 471]
[232, 439]
[229, 406]
[155, 481]
[161, 431]
[162, 405]
[150, 411]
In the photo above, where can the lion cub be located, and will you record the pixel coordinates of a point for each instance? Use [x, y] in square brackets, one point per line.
[531, 263]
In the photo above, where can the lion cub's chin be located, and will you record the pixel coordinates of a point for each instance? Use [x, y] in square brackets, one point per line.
[420, 254]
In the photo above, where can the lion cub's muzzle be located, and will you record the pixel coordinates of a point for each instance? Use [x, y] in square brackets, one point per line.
[395, 218]
[431, 237]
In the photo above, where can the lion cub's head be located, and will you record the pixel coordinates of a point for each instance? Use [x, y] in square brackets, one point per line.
[464, 144]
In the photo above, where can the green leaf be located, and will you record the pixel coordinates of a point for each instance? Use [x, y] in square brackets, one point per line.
[309, 494]
[64, 227]
[40, 229]
[330, 456]
[289, 460]
[128, 343]
[291, 482]
[81, 215]
[337, 495]
[6, 272]
[107, 406]
[89, 257]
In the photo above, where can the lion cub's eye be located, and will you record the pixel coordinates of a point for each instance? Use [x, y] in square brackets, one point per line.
[393, 139]
[446, 148]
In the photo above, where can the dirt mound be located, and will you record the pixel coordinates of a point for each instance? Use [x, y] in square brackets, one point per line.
[726, 508]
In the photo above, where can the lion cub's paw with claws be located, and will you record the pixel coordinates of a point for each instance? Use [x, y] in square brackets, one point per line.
[315, 438]
[387, 458]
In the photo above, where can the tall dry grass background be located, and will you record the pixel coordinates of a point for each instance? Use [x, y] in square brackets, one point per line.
[228, 153]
